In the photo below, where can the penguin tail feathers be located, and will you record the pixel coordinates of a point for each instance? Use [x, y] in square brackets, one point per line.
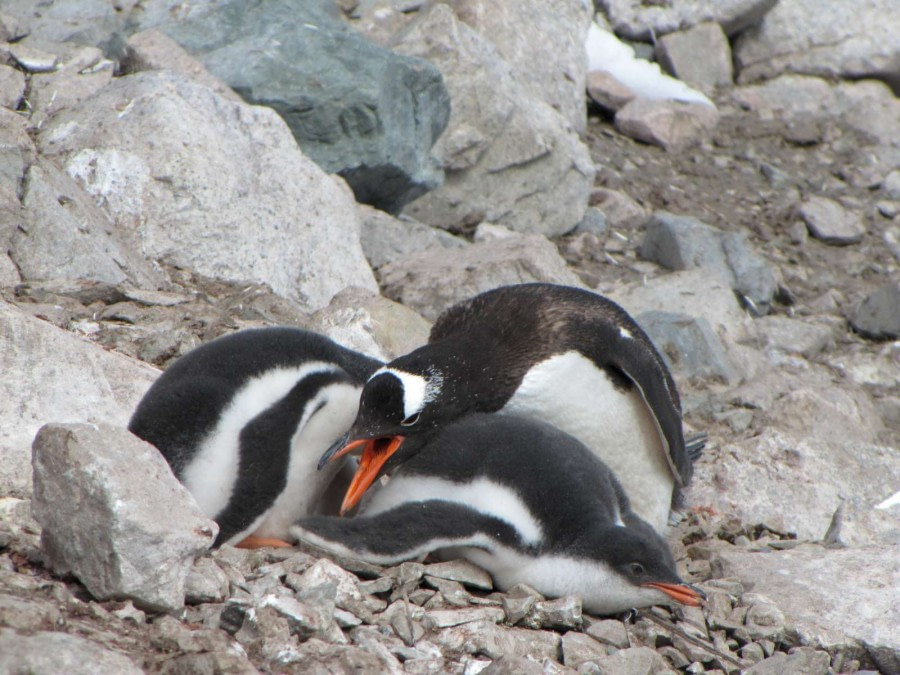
[694, 445]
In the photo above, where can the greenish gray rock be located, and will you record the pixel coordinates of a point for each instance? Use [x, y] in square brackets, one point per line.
[878, 315]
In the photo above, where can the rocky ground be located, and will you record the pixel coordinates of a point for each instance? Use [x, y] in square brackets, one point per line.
[776, 301]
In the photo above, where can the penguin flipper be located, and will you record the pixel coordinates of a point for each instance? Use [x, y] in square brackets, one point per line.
[406, 531]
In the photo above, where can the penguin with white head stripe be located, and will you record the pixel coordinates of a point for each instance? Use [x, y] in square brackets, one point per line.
[242, 421]
[563, 355]
[525, 501]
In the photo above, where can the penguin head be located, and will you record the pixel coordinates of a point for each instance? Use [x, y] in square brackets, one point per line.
[639, 570]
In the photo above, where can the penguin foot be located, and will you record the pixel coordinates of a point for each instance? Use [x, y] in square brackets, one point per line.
[261, 542]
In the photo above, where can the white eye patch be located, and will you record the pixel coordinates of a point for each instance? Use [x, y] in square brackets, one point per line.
[417, 390]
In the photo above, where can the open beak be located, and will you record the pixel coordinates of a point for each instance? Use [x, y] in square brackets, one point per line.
[376, 451]
[683, 593]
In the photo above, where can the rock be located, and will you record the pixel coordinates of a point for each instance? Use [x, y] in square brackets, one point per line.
[579, 649]
[891, 184]
[689, 345]
[607, 91]
[462, 571]
[517, 608]
[830, 222]
[559, 614]
[51, 652]
[680, 242]
[154, 50]
[371, 324]
[764, 621]
[554, 76]
[12, 87]
[700, 56]
[206, 582]
[386, 239]
[878, 315]
[66, 235]
[211, 154]
[100, 515]
[637, 20]
[794, 486]
[30, 57]
[17, 153]
[420, 282]
[493, 641]
[593, 224]
[366, 113]
[444, 618]
[609, 632]
[792, 336]
[634, 660]
[672, 125]
[50, 374]
[618, 208]
[851, 41]
[690, 292]
[819, 604]
[209, 662]
[800, 660]
[510, 158]
[79, 73]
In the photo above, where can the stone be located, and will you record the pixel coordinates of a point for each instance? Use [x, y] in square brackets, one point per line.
[607, 91]
[638, 20]
[306, 620]
[66, 235]
[358, 110]
[555, 76]
[493, 641]
[672, 125]
[347, 594]
[100, 516]
[593, 224]
[764, 620]
[700, 56]
[878, 315]
[386, 239]
[52, 652]
[231, 662]
[370, 324]
[462, 571]
[850, 41]
[609, 632]
[32, 58]
[793, 336]
[559, 614]
[517, 608]
[420, 282]
[799, 660]
[689, 346]
[830, 222]
[579, 649]
[618, 208]
[444, 618]
[154, 50]
[795, 486]
[891, 184]
[54, 375]
[510, 158]
[80, 72]
[683, 242]
[514, 665]
[206, 582]
[822, 608]
[211, 154]
[634, 660]
[12, 87]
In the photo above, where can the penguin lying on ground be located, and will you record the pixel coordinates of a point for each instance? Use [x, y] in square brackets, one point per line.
[564, 355]
[242, 421]
[525, 501]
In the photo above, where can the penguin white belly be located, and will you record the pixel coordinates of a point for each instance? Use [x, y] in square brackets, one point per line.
[571, 393]
[213, 471]
[327, 416]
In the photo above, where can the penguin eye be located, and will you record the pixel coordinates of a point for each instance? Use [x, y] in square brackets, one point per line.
[409, 421]
[637, 569]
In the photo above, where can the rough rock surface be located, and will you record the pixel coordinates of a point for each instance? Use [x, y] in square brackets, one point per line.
[672, 125]
[111, 535]
[677, 53]
[509, 158]
[850, 40]
[178, 191]
[638, 20]
[356, 109]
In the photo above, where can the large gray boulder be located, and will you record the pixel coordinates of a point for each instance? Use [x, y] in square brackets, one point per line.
[214, 185]
[852, 40]
[509, 157]
[844, 601]
[46, 652]
[517, 29]
[113, 514]
[49, 374]
[356, 109]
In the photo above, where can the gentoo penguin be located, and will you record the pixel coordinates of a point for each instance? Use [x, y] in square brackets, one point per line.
[560, 354]
[520, 498]
[243, 420]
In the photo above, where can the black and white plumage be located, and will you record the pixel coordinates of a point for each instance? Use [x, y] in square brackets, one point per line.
[525, 501]
[243, 419]
[560, 354]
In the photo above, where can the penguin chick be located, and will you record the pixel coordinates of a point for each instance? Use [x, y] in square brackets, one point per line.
[243, 419]
[525, 501]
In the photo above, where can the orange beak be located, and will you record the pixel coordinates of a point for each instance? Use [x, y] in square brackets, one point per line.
[682, 593]
[376, 451]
